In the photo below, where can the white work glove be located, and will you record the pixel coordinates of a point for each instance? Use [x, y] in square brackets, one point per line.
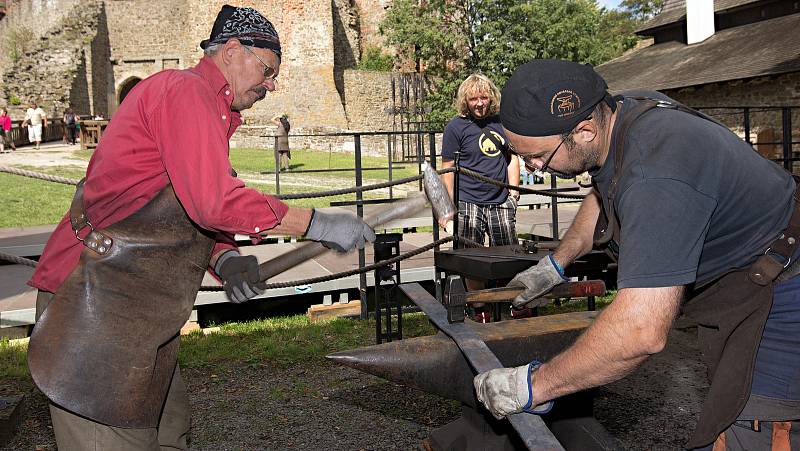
[505, 391]
[341, 231]
[537, 280]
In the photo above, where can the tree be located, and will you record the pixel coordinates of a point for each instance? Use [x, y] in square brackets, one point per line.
[642, 10]
[448, 39]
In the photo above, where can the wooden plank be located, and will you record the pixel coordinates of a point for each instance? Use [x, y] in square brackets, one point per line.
[319, 311]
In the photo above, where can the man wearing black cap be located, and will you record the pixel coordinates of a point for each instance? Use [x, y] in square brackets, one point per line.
[160, 204]
[699, 223]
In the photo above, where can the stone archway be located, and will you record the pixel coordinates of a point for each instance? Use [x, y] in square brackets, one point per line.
[126, 87]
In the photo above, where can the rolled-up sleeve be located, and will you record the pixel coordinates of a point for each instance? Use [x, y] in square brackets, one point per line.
[190, 127]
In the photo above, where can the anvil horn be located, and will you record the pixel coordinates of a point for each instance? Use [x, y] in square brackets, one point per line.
[434, 363]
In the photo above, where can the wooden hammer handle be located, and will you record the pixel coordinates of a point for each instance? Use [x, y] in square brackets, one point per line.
[564, 290]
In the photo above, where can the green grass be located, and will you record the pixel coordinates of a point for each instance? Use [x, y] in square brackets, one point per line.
[281, 341]
[29, 202]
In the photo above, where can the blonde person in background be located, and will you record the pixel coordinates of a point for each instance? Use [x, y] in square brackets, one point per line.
[282, 122]
[35, 120]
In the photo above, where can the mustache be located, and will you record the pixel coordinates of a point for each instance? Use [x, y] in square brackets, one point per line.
[261, 91]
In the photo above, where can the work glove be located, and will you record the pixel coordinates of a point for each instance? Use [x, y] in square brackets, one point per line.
[239, 276]
[537, 280]
[505, 391]
[340, 231]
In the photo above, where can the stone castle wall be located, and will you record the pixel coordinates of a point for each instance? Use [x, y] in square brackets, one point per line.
[133, 39]
[766, 124]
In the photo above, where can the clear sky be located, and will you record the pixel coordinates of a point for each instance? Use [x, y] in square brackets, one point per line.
[608, 3]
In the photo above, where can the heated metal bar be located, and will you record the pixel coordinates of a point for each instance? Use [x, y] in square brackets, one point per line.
[565, 290]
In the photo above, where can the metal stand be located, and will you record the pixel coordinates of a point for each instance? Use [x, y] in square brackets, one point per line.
[387, 278]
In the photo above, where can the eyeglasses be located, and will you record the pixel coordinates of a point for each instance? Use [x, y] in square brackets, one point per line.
[269, 71]
[529, 159]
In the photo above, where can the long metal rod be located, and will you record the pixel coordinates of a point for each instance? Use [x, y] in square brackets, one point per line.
[311, 249]
[531, 428]
[362, 278]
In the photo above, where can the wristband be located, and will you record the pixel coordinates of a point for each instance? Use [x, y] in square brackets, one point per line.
[557, 266]
[542, 408]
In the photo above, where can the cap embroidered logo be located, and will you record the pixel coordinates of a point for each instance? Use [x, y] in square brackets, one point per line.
[565, 103]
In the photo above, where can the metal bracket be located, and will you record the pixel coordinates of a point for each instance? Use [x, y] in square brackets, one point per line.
[455, 298]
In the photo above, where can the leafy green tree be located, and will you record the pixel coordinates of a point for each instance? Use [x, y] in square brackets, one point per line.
[642, 10]
[448, 39]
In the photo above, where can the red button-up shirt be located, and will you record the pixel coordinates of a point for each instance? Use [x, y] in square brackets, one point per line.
[174, 128]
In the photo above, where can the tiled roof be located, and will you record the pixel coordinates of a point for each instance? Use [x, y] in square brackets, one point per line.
[762, 48]
[675, 10]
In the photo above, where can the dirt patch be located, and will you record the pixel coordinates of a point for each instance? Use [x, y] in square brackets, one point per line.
[319, 405]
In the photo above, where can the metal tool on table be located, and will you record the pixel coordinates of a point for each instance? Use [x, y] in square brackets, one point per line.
[457, 298]
[531, 429]
[435, 193]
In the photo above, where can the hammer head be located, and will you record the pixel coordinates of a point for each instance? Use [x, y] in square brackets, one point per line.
[455, 295]
[442, 205]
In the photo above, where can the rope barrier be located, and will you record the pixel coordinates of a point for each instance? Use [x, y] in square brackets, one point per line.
[521, 189]
[351, 272]
[18, 260]
[38, 175]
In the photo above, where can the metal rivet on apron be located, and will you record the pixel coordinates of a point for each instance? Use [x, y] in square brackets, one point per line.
[781, 237]
[791, 240]
[101, 249]
[107, 242]
[92, 244]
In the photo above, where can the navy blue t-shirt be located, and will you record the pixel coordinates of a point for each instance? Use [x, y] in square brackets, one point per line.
[480, 154]
[694, 201]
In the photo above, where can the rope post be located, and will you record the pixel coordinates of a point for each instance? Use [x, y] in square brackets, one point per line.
[437, 280]
[277, 168]
[746, 118]
[362, 277]
[457, 165]
[389, 159]
[786, 114]
[554, 206]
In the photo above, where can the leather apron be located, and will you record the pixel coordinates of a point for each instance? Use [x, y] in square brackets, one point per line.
[731, 311]
[107, 344]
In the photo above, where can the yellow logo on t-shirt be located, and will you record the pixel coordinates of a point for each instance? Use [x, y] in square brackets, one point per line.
[487, 146]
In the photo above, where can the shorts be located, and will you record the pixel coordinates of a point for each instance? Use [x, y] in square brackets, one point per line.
[496, 220]
[35, 132]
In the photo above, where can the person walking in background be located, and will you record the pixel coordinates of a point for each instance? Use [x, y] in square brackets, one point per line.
[71, 124]
[35, 120]
[476, 133]
[5, 131]
[282, 122]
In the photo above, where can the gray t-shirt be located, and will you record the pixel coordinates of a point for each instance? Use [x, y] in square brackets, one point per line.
[694, 201]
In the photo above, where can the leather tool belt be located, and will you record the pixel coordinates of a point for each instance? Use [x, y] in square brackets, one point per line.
[106, 346]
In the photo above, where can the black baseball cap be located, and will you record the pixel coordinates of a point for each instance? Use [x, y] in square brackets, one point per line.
[245, 24]
[549, 97]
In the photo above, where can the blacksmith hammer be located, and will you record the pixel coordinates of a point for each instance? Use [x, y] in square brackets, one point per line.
[456, 297]
[435, 193]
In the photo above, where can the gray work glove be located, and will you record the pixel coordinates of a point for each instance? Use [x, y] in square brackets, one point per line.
[537, 280]
[239, 276]
[341, 231]
[505, 391]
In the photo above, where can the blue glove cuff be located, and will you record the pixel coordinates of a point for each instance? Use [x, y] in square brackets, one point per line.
[557, 267]
[542, 408]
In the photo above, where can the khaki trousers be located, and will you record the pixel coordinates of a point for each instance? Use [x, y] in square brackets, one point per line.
[74, 432]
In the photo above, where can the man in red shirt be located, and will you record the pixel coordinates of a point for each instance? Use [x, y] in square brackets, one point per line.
[160, 203]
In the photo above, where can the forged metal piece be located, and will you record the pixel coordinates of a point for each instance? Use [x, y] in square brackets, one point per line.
[564, 290]
[434, 364]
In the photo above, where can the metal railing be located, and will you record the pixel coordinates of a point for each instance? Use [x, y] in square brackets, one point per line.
[774, 132]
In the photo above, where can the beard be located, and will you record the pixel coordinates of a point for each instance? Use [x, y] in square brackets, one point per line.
[581, 159]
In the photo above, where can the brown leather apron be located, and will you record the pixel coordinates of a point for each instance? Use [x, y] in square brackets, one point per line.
[106, 346]
[730, 312]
